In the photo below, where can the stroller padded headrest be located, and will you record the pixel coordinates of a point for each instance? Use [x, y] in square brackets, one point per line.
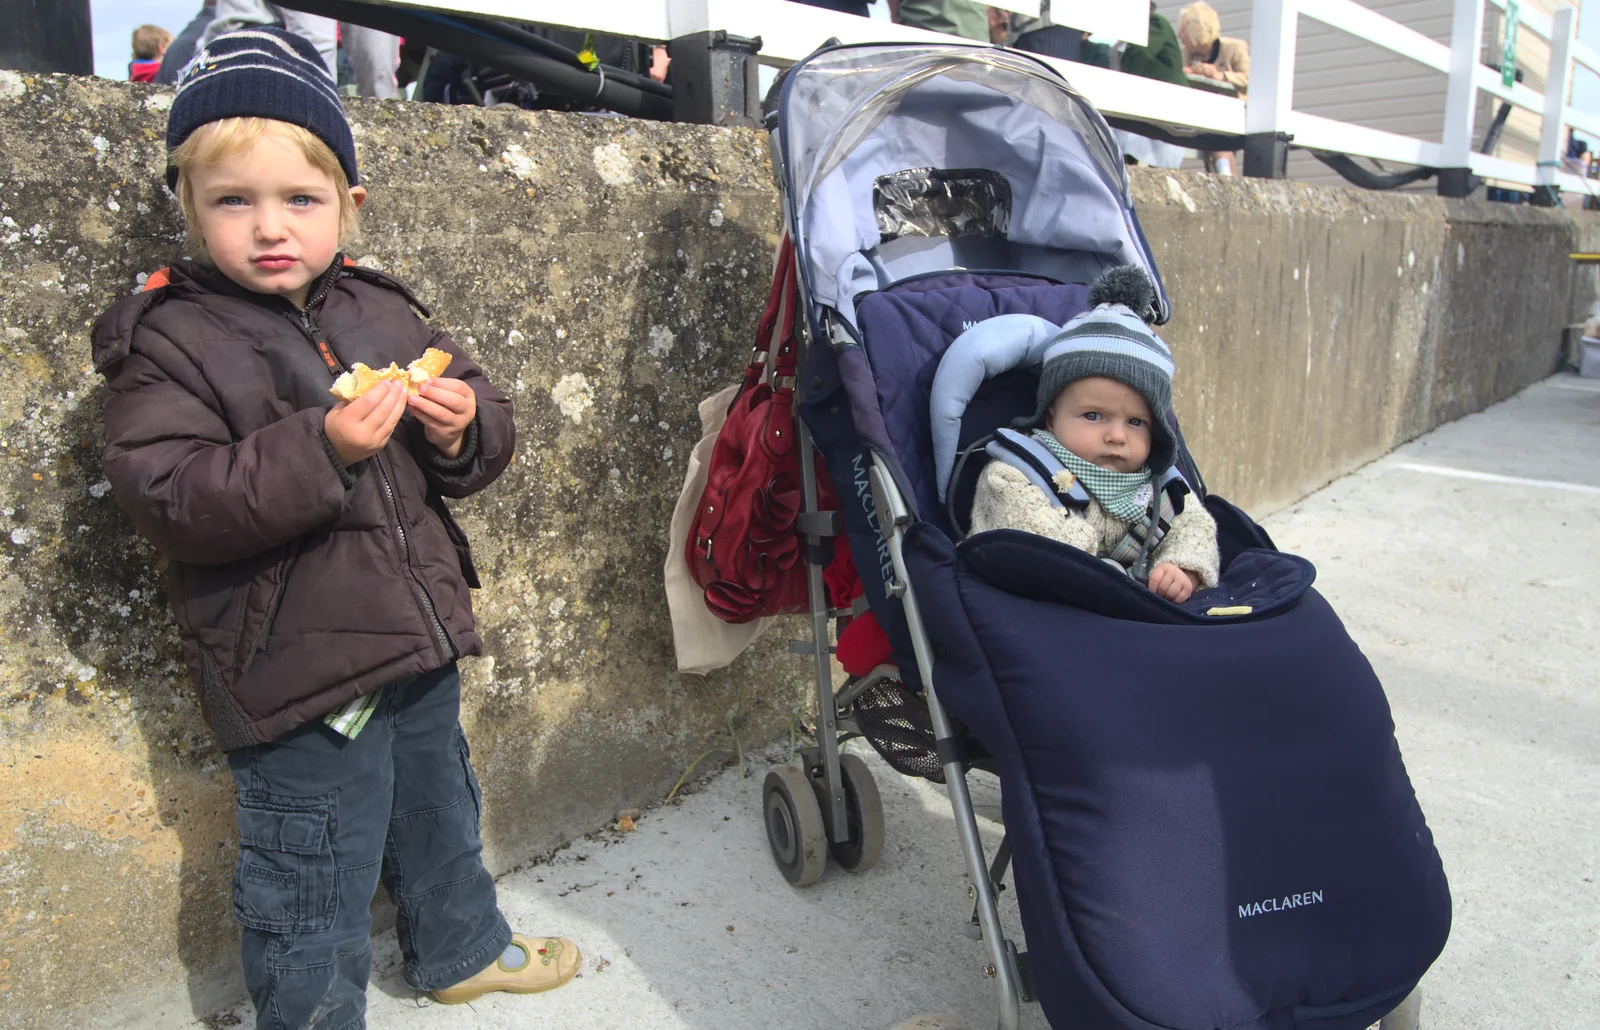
[993, 346]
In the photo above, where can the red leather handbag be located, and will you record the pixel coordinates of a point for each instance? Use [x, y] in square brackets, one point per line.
[742, 547]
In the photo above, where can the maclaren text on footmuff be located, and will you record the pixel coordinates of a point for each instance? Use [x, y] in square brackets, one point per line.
[1258, 908]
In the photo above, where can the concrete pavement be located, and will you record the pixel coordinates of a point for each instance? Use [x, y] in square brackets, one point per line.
[1476, 599]
[1466, 564]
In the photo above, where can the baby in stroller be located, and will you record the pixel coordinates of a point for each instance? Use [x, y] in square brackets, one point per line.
[1095, 468]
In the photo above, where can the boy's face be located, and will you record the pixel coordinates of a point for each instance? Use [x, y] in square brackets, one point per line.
[269, 218]
[1104, 422]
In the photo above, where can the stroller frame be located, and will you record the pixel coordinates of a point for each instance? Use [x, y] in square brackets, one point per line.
[822, 764]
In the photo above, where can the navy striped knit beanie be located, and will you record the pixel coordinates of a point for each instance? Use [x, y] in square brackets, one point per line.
[1113, 340]
[260, 73]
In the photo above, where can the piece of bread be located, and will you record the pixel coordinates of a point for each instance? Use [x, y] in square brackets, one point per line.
[433, 363]
[360, 378]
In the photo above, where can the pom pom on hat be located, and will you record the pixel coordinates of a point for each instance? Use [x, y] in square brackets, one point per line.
[1126, 285]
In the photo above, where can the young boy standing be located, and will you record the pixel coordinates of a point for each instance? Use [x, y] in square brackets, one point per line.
[319, 583]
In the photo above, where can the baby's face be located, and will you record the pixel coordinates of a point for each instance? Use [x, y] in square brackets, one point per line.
[1102, 421]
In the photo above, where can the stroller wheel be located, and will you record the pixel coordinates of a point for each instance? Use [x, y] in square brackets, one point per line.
[1406, 1015]
[794, 826]
[864, 810]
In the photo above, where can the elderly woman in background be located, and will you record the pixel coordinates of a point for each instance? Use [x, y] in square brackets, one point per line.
[1207, 52]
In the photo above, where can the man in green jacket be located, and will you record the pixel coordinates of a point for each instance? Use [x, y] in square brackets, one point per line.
[956, 17]
[1161, 57]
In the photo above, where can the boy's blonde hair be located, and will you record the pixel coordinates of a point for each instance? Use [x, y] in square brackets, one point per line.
[217, 140]
[149, 41]
[1199, 22]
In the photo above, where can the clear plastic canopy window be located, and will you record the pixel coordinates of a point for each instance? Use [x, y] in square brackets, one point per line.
[853, 115]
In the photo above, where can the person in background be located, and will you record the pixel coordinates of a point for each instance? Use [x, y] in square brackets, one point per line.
[1222, 58]
[1161, 57]
[1042, 36]
[149, 43]
[182, 49]
[374, 56]
[999, 26]
[1207, 52]
[952, 17]
[1578, 155]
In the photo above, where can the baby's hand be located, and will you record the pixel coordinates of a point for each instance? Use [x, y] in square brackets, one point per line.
[360, 428]
[1173, 583]
[445, 407]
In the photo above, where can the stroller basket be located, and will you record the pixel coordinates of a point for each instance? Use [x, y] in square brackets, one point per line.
[896, 723]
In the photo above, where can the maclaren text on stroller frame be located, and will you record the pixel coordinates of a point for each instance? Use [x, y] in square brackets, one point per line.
[1164, 836]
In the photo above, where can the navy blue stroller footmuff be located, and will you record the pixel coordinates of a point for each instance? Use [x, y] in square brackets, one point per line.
[1211, 822]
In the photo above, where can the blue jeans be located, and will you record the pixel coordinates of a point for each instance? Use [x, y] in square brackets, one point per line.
[320, 817]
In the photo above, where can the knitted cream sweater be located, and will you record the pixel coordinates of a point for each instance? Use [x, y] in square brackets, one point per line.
[1005, 499]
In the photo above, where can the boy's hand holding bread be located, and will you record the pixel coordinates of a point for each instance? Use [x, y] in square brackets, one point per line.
[360, 428]
[372, 401]
[445, 407]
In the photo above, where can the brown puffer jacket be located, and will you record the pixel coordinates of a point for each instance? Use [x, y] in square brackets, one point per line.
[298, 584]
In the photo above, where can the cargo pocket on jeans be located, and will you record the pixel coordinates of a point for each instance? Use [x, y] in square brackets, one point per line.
[465, 752]
[286, 880]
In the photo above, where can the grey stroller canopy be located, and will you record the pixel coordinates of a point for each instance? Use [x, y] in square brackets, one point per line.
[902, 160]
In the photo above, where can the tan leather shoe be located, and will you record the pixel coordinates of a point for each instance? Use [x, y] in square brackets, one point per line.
[552, 961]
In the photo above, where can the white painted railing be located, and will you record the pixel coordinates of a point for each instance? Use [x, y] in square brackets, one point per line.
[1270, 107]
[790, 31]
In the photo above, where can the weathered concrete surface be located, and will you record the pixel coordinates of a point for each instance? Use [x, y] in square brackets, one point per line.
[609, 274]
[1316, 329]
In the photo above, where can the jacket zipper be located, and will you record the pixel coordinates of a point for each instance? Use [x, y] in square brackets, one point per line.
[335, 367]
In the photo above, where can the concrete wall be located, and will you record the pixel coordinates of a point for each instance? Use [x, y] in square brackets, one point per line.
[1318, 328]
[608, 273]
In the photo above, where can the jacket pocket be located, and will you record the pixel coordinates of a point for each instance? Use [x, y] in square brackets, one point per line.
[286, 879]
[458, 537]
[264, 596]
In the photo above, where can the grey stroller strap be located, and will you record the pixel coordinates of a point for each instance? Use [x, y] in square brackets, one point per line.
[955, 478]
[1035, 461]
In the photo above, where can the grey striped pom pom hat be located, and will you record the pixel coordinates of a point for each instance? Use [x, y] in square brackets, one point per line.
[1111, 339]
[260, 73]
